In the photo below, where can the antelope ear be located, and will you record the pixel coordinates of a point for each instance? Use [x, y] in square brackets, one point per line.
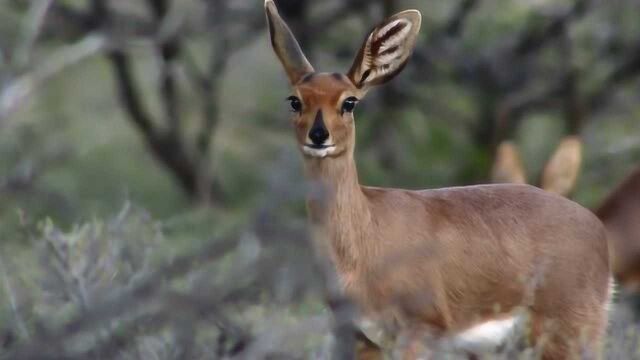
[386, 50]
[561, 172]
[507, 167]
[285, 45]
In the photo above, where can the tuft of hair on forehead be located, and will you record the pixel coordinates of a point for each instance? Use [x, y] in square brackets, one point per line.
[328, 86]
[307, 78]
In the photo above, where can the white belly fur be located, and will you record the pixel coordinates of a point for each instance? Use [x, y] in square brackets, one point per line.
[487, 336]
[481, 338]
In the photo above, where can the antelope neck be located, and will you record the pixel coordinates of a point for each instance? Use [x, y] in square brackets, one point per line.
[339, 209]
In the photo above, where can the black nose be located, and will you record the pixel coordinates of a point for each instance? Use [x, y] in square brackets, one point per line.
[318, 133]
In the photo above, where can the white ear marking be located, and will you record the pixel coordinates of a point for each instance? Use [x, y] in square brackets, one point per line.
[386, 50]
[395, 39]
[383, 31]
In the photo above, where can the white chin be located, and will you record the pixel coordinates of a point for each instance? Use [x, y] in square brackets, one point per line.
[318, 153]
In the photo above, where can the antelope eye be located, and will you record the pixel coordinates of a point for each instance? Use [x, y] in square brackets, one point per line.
[296, 104]
[349, 104]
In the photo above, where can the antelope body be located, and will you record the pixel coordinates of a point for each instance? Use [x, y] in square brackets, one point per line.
[430, 265]
[619, 211]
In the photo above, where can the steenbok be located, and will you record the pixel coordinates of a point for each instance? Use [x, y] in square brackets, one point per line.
[444, 267]
[619, 211]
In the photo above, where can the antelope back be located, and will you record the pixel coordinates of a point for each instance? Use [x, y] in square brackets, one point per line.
[620, 210]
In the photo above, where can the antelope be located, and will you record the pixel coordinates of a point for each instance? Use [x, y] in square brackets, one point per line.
[619, 211]
[434, 268]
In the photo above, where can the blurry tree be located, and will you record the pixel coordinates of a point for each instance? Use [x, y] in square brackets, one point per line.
[482, 68]
[533, 69]
[168, 29]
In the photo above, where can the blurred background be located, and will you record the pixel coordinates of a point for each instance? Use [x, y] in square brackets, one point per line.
[137, 135]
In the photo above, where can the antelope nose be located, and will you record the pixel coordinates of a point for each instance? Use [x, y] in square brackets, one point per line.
[318, 136]
[318, 133]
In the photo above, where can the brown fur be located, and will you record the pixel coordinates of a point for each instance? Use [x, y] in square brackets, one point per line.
[451, 258]
[429, 264]
[325, 92]
[620, 212]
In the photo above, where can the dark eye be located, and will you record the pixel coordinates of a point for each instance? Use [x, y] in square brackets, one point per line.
[349, 104]
[296, 104]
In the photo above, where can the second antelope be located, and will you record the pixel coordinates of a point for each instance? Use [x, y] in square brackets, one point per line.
[619, 211]
[436, 267]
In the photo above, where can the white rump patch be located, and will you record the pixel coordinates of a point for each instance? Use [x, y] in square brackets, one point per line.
[484, 338]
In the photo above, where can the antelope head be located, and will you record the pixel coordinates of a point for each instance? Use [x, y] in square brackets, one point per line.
[323, 103]
[560, 173]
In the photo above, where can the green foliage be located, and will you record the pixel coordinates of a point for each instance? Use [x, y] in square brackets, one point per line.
[70, 156]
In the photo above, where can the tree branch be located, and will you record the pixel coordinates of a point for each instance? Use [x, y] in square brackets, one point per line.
[130, 96]
[32, 26]
[515, 107]
[455, 24]
[169, 50]
[534, 38]
[17, 92]
[626, 71]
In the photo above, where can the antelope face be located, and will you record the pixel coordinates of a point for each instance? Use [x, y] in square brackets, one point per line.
[322, 109]
[323, 103]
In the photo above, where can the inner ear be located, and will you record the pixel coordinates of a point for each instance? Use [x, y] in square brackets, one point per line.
[507, 167]
[386, 50]
[560, 175]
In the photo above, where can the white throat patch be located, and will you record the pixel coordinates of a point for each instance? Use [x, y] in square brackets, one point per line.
[318, 153]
